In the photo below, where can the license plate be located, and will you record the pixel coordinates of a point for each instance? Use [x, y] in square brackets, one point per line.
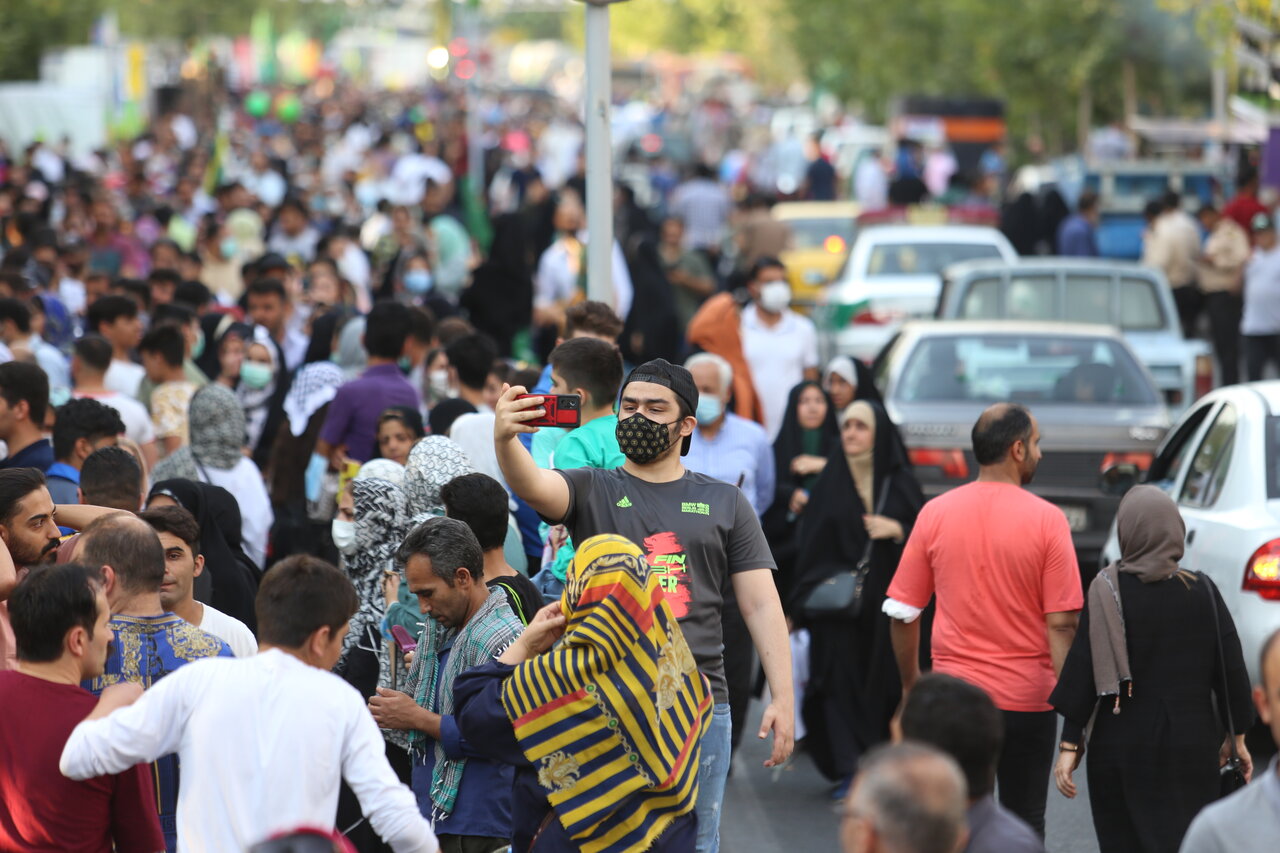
[1077, 517]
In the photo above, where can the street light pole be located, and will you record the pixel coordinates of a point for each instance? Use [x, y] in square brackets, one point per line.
[599, 153]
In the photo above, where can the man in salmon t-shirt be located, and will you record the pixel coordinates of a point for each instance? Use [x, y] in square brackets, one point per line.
[1001, 563]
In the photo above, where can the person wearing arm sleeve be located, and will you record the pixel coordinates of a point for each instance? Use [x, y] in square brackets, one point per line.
[751, 570]
[480, 720]
[389, 805]
[142, 732]
[909, 593]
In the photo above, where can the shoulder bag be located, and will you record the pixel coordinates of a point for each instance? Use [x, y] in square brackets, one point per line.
[1231, 776]
[841, 595]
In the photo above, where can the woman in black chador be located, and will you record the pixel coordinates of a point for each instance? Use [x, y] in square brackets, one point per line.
[866, 493]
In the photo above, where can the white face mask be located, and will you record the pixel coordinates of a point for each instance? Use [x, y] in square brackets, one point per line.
[775, 296]
[344, 536]
[439, 380]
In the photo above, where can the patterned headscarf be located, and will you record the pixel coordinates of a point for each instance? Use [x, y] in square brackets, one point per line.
[613, 715]
[382, 469]
[380, 520]
[434, 461]
[315, 385]
[217, 431]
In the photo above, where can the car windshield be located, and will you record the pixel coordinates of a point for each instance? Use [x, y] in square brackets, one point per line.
[898, 259]
[1023, 368]
[1130, 303]
[834, 235]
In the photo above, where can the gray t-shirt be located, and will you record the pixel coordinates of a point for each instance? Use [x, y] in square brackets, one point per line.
[1248, 821]
[1261, 314]
[695, 533]
[994, 830]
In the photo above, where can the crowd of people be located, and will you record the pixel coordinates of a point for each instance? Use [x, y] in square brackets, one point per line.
[288, 543]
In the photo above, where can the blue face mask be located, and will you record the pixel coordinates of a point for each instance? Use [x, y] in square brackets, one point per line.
[197, 349]
[417, 281]
[229, 247]
[405, 364]
[709, 409]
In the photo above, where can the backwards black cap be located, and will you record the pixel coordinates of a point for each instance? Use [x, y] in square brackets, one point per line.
[668, 375]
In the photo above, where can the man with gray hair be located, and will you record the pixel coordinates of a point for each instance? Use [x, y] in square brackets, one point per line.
[725, 446]
[467, 798]
[733, 450]
[907, 798]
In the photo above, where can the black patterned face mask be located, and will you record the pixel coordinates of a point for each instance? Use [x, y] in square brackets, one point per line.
[642, 440]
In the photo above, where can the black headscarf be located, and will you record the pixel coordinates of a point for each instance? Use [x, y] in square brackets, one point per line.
[234, 575]
[835, 511]
[864, 383]
[216, 327]
[792, 440]
[323, 330]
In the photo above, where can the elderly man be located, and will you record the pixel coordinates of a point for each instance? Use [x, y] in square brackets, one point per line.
[908, 798]
[724, 446]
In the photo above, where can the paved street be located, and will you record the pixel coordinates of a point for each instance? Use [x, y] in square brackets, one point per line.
[791, 809]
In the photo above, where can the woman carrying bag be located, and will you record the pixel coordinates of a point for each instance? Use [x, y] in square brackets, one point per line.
[862, 507]
[1154, 647]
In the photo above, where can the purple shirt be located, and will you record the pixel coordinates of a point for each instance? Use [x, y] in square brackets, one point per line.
[353, 415]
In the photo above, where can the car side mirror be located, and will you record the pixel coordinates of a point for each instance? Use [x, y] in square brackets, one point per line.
[1119, 478]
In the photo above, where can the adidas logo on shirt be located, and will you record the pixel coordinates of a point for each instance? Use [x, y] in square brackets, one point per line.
[625, 502]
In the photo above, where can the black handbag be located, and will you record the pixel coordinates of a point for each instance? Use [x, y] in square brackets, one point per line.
[1231, 775]
[841, 595]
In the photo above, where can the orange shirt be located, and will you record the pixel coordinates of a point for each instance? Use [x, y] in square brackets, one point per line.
[999, 558]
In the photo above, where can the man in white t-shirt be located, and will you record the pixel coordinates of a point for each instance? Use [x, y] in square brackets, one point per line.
[116, 318]
[90, 360]
[183, 563]
[780, 346]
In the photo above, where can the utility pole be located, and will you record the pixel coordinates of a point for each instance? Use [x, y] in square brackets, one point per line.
[599, 198]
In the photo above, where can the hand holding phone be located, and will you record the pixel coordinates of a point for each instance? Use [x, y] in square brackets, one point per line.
[562, 410]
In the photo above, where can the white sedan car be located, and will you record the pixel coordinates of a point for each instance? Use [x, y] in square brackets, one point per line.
[1221, 463]
[894, 274]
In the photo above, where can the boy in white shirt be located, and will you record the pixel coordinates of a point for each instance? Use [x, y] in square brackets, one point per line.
[179, 534]
[264, 740]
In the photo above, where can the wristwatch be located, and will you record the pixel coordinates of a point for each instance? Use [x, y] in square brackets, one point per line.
[1068, 747]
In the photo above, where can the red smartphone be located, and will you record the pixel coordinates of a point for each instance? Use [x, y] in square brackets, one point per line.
[404, 640]
[563, 410]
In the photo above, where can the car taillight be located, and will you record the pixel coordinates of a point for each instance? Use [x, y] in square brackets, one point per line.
[1204, 375]
[1140, 460]
[951, 462]
[1262, 572]
[866, 317]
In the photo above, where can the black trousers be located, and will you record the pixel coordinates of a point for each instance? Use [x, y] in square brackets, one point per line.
[1022, 776]
[1224, 327]
[1259, 350]
[1188, 300]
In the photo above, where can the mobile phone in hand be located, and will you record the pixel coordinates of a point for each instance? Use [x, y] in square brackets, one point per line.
[404, 640]
[562, 410]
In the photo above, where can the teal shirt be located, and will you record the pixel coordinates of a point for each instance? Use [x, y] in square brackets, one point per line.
[592, 445]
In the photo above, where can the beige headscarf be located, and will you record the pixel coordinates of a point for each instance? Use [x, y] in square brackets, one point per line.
[1151, 534]
[862, 466]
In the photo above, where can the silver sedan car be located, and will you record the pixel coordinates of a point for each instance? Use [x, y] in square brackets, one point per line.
[1097, 407]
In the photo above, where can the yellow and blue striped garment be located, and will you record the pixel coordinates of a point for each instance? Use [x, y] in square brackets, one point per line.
[613, 716]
